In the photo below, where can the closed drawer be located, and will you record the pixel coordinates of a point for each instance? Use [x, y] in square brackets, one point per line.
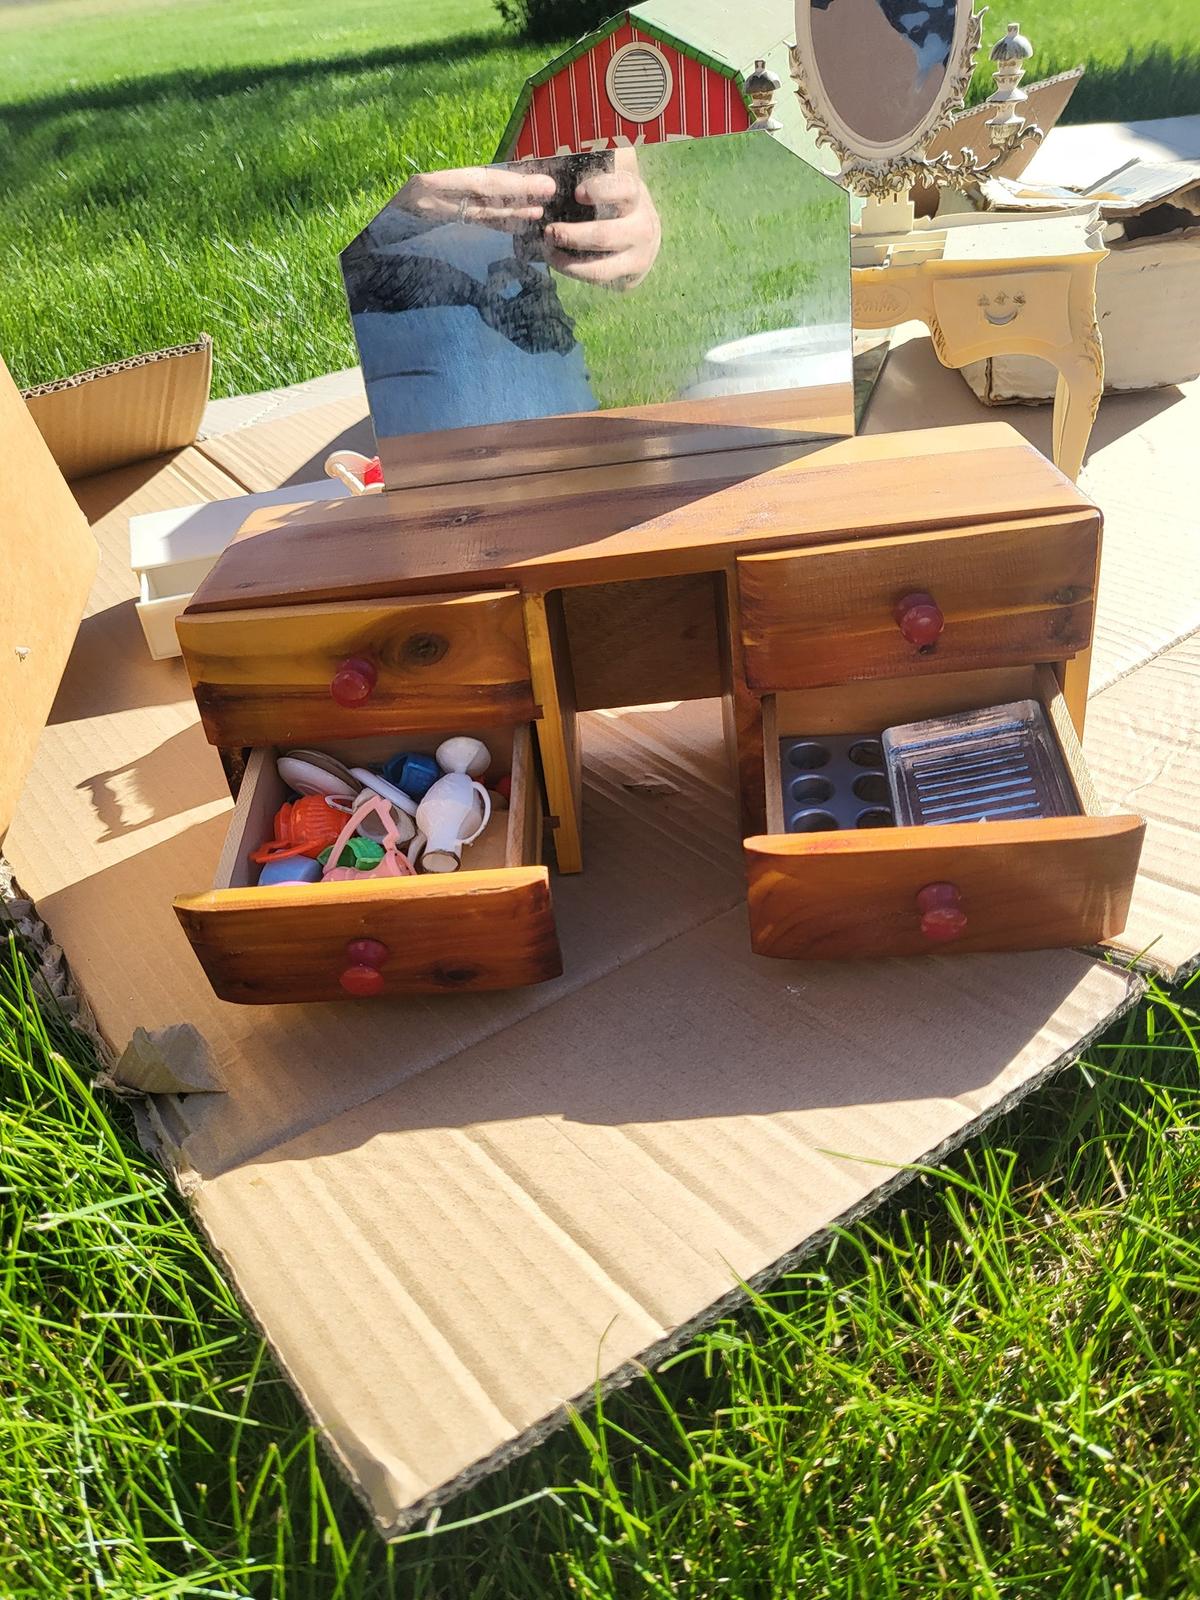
[968, 887]
[1033, 305]
[994, 595]
[489, 925]
[298, 673]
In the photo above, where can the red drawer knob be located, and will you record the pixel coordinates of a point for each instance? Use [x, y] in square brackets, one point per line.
[942, 916]
[362, 982]
[353, 681]
[362, 978]
[920, 619]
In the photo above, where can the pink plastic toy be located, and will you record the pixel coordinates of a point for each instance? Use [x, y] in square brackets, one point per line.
[393, 865]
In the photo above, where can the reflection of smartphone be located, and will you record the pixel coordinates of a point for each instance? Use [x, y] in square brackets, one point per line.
[568, 172]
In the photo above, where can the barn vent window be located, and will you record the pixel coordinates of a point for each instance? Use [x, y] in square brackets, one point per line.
[638, 82]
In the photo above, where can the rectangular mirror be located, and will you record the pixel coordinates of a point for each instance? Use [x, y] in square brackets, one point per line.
[606, 307]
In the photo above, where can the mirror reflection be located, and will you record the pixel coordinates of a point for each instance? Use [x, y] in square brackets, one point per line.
[881, 63]
[695, 271]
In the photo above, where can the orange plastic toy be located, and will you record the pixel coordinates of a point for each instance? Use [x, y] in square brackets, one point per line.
[302, 828]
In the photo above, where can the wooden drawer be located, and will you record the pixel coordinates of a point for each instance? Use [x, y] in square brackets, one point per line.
[267, 675]
[1006, 595]
[488, 926]
[1020, 885]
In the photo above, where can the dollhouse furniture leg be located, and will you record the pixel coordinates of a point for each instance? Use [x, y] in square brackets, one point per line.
[1076, 401]
[557, 735]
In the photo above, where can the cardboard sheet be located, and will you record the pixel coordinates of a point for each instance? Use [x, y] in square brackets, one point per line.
[110, 416]
[451, 1215]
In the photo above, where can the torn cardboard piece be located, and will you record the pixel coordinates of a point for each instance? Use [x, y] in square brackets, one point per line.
[442, 1268]
[172, 1061]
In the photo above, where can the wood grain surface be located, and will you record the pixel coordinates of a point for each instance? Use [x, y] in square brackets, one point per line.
[263, 677]
[654, 639]
[1062, 882]
[557, 729]
[630, 433]
[446, 934]
[686, 514]
[1010, 593]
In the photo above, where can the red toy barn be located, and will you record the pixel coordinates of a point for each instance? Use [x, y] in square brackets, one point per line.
[636, 80]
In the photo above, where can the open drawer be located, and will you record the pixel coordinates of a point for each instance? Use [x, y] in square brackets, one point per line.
[490, 925]
[883, 891]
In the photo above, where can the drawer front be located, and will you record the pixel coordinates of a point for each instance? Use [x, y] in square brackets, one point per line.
[1033, 306]
[438, 935]
[971, 887]
[994, 595]
[293, 674]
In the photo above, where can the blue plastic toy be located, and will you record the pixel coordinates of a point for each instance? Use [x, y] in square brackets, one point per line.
[415, 774]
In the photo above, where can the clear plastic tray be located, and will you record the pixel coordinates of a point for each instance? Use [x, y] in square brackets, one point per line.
[997, 765]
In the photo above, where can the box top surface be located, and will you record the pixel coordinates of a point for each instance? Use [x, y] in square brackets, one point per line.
[603, 524]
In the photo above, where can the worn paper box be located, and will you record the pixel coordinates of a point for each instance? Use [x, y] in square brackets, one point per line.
[451, 1217]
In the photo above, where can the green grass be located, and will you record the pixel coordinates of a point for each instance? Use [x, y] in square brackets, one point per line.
[987, 1389]
[173, 166]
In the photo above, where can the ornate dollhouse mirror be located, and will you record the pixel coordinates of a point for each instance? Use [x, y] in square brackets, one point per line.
[608, 306]
[877, 79]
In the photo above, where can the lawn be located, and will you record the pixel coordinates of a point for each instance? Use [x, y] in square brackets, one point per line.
[986, 1389]
[175, 166]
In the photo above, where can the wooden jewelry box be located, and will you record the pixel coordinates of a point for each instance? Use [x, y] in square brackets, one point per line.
[766, 572]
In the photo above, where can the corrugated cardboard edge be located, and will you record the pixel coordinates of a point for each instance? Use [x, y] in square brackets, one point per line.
[126, 411]
[164, 1146]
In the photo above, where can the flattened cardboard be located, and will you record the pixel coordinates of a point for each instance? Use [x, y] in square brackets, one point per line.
[1143, 743]
[127, 411]
[293, 449]
[451, 1216]
[47, 559]
[440, 1269]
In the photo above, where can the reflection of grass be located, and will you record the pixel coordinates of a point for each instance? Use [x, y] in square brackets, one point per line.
[726, 267]
[173, 165]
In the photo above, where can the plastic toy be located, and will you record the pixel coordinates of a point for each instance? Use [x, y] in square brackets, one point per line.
[391, 864]
[302, 828]
[289, 869]
[453, 814]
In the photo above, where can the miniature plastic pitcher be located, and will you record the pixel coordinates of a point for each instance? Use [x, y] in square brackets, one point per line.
[447, 818]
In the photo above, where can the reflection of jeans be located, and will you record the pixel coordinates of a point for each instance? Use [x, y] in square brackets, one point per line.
[446, 368]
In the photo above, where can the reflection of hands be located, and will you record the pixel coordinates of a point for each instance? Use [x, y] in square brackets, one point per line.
[620, 246]
[495, 197]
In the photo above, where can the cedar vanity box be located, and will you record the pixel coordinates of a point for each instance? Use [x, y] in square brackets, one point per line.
[767, 574]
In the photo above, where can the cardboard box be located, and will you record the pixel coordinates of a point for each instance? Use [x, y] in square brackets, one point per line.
[127, 411]
[452, 1218]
